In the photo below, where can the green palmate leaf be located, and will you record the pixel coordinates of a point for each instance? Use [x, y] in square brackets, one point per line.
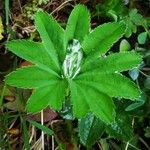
[142, 37]
[100, 104]
[78, 23]
[112, 63]
[32, 51]
[101, 39]
[113, 84]
[30, 77]
[52, 35]
[92, 83]
[90, 129]
[47, 96]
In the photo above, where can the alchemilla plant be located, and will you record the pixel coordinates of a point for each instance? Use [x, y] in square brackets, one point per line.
[74, 63]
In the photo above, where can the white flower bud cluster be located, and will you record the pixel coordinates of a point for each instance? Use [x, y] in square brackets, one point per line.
[71, 65]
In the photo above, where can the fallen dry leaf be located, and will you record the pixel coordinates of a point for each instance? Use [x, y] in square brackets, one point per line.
[14, 131]
[9, 98]
[48, 114]
[1, 28]
[25, 63]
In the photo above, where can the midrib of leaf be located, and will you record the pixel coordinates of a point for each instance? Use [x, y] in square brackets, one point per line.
[84, 86]
[45, 68]
[105, 114]
[104, 40]
[96, 85]
[49, 45]
[59, 38]
[97, 48]
[33, 52]
[60, 85]
[77, 88]
[51, 56]
[74, 28]
[115, 62]
[76, 25]
[30, 109]
[42, 78]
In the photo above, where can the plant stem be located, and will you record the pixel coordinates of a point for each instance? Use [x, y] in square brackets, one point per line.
[143, 74]
[2, 95]
[7, 12]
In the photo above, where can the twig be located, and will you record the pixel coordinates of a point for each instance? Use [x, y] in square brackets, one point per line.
[146, 69]
[32, 134]
[42, 135]
[60, 7]
[143, 73]
[127, 145]
[134, 147]
[53, 145]
[146, 145]
[20, 6]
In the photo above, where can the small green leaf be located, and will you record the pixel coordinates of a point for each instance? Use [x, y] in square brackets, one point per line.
[90, 129]
[142, 37]
[136, 17]
[134, 73]
[113, 15]
[124, 46]
[40, 2]
[137, 104]
[134, 105]
[130, 28]
[42, 127]
[78, 23]
[102, 38]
